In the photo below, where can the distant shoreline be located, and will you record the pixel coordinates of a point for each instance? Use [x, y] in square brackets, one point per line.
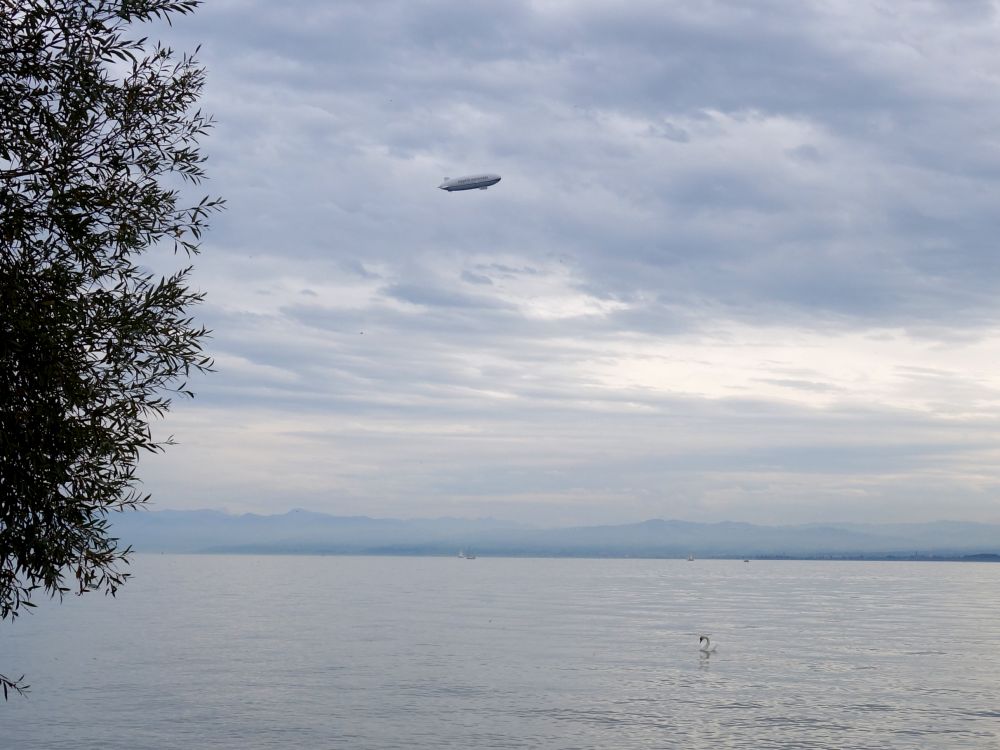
[264, 552]
[305, 532]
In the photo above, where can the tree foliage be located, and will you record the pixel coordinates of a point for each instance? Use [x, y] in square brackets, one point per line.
[99, 133]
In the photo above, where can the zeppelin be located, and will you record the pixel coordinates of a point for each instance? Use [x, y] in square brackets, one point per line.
[473, 181]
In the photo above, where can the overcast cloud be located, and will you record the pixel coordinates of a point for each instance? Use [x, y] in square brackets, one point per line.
[741, 264]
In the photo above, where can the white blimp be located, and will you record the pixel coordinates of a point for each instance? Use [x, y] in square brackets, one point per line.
[470, 182]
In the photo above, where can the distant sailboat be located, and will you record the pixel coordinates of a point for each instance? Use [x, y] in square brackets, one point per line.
[466, 555]
[690, 558]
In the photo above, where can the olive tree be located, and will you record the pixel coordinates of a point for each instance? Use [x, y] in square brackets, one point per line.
[99, 134]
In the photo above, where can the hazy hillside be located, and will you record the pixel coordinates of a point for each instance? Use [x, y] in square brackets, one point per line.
[305, 532]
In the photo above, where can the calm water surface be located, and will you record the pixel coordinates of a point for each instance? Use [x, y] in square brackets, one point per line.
[356, 652]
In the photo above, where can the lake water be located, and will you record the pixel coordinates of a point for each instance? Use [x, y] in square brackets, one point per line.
[367, 652]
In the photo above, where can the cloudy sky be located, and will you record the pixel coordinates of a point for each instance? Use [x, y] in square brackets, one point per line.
[742, 263]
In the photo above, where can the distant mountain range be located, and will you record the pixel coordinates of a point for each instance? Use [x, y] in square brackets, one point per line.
[304, 532]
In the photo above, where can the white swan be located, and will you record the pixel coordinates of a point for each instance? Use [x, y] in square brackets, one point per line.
[705, 645]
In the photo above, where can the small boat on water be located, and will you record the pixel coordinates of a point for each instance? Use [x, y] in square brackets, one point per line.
[690, 558]
[463, 555]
